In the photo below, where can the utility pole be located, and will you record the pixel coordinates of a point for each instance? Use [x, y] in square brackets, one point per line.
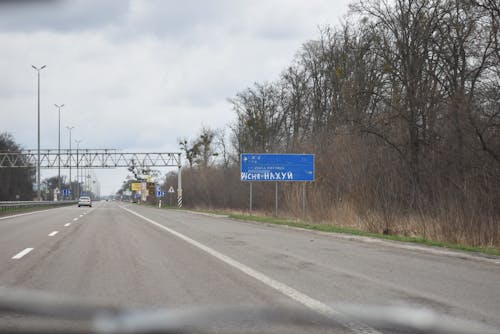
[70, 185]
[77, 169]
[59, 148]
[38, 194]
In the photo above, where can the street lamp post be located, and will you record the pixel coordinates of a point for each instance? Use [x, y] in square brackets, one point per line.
[39, 197]
[77, 172]
[59, 148]
[69, 155]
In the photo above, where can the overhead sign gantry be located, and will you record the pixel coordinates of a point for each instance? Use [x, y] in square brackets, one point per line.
[98, 158]
[93, 158]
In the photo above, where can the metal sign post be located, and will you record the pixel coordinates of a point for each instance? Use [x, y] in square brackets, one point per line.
[276, 200]
[251, 198]
[304, 201]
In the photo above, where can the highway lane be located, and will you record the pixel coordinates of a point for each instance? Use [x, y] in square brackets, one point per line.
[30, 230]
[337, 270]
[114, 255]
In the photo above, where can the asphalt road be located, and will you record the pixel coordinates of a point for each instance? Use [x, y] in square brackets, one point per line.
[138, 256]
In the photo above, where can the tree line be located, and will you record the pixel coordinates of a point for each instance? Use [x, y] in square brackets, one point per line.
[400, 105]
[19, 184]
[16, 183]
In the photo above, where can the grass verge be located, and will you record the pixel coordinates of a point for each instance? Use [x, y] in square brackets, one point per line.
[351, 231]
[337, 229]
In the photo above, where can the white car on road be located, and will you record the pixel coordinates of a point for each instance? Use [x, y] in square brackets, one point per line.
[84, 201]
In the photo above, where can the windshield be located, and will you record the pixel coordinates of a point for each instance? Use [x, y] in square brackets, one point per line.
[250, 166]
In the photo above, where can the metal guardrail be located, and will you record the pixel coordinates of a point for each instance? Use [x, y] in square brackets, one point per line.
[13, 205]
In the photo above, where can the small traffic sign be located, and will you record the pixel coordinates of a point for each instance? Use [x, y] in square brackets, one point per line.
[171, 189]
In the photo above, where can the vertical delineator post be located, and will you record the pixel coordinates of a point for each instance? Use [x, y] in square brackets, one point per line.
[179, 183]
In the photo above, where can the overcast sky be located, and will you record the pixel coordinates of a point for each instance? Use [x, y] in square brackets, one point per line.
[137, 75]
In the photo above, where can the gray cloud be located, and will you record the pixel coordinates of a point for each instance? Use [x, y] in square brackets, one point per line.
[138, 75]
[62, 16]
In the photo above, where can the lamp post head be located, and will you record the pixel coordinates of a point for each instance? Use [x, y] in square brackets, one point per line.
[38, 69]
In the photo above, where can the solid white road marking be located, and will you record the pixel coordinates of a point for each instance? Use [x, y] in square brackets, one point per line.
[75, 219]
[22, 253]
[53, 233]
[67, 224]
[288, 291]
[24, 214]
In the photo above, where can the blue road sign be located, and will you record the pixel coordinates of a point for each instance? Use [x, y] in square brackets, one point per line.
[277, 167]
[160, 194]
[66, 192]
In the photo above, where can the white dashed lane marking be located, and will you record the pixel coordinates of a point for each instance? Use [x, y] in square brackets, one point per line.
[75, 219]
[22, 253]
[53, 233]
[67, 224]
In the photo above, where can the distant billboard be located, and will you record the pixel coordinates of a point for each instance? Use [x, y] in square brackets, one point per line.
[136, 186]
[277, 167]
